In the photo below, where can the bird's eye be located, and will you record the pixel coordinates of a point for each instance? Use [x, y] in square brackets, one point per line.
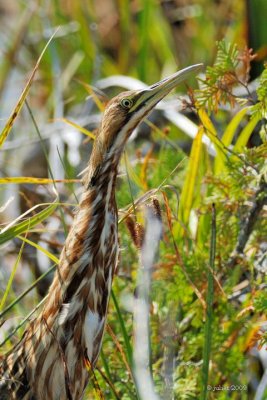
[126, 103]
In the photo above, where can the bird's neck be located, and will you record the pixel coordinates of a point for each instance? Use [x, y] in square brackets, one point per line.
[97, 205]
[102, 167]
[90, 242]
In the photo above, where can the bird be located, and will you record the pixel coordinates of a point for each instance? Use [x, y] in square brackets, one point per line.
[61, 345]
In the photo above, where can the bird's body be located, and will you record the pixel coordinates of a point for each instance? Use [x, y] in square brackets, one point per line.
[58, 347]
[69, 329]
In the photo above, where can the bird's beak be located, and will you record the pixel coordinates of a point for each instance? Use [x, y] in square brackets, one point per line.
[153, 94]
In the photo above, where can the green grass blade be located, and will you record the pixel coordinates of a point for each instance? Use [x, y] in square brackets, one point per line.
[81, 129]
[211, 133]
[23, 322]
[48, 163]
[40, 248]
[23, 294]
[228, 137]
[209, 311]
[233, 125]
[13, 231]
[12, 275]
[131, 173]
[128, 346]
[109, 377]
[5, 132]
[65, 167]
[34, 181]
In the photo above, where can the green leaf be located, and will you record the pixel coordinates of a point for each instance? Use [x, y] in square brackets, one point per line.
[128, 346]
[219, 163]
[245, 134]
[211, 132]
[188, 192]
[34, 181]
[40, 248]
[209, 311]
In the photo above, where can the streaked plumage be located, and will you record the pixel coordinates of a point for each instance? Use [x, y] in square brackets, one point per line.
[50, 360]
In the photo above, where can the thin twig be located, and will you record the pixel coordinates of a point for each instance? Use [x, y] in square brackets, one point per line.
[11, 305]
[247, 225]
[23, 322]
[120, 349]
[109, 383]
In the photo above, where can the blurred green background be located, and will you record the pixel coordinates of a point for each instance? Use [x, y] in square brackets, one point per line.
[144, 39]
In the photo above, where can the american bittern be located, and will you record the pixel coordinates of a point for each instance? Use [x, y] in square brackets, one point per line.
[51, 360]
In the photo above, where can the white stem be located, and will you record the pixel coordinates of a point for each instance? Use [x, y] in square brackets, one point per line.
[141, 310]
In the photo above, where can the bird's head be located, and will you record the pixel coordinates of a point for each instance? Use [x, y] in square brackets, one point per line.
[125, 111]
